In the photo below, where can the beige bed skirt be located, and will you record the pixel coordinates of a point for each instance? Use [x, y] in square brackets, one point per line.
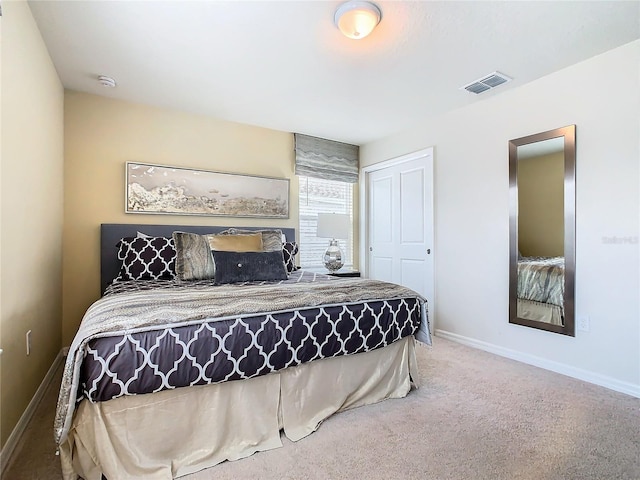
[176, 432]
[540, 312]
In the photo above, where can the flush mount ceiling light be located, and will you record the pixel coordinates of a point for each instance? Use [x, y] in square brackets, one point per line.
[357, 19]
[106, 81]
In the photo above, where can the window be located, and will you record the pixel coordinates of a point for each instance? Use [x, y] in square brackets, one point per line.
[322, 196]
[326, 170]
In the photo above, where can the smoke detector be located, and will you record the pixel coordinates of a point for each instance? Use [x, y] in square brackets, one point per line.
[106, 81]
[486, 83]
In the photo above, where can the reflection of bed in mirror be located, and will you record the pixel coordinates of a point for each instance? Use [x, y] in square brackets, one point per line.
[541, 289]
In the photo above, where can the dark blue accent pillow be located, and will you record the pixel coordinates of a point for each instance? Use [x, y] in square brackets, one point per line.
[235, 267]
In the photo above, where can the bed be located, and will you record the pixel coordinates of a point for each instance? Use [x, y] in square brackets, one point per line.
[171, 375]
[541, 289]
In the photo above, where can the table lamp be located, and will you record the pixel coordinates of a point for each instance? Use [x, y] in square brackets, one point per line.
[333, 226]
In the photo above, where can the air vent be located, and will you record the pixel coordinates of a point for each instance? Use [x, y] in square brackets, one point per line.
[486, 83]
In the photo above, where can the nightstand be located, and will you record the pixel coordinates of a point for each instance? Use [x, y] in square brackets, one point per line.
[343, 272]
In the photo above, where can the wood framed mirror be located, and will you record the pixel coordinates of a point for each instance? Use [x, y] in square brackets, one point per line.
[542, 230]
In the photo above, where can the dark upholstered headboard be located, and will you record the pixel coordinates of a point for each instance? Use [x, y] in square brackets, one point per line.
[111, 233]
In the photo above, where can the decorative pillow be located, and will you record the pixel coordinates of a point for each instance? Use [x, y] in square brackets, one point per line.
[289, 251]
[146, 258]
[233, 267]
[271, 239]
[251, 242]
[193, 256]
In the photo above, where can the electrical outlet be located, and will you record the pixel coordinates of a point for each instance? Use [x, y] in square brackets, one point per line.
[28, 342]
[583, 323]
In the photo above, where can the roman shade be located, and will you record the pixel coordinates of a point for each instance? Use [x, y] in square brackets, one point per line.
[326, 159]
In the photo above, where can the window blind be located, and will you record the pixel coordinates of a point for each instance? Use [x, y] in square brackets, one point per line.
[322, 196]
[326, 159]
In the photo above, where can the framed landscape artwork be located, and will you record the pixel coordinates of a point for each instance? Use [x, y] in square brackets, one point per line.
[159, 189]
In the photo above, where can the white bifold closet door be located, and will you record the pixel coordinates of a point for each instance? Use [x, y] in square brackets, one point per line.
[400, 223]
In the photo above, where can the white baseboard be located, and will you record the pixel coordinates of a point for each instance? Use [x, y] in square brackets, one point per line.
[568, 370]
[9, 447]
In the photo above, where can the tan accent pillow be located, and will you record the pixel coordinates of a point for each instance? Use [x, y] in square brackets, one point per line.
[271, 239]
[236, 243]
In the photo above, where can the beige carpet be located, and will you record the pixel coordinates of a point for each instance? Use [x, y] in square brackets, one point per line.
[476, 416]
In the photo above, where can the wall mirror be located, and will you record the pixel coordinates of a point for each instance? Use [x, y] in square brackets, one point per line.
[542, 230]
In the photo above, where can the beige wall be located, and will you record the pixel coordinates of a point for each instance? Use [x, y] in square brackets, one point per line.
[2, 441]
[32, 215]
[541, 206]
[472, 214]
[102, 134]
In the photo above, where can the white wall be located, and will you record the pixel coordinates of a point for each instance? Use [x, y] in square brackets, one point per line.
[602, 97]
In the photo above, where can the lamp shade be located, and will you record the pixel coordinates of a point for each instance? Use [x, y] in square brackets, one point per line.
[356, 19]
[333, 225]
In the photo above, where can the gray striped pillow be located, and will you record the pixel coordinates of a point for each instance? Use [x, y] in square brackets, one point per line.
[194, 260]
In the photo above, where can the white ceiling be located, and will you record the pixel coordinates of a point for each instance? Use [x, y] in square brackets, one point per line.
[284, 65]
